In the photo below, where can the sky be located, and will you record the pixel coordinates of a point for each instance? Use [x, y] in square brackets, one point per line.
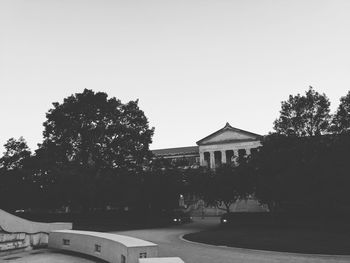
[193, 64]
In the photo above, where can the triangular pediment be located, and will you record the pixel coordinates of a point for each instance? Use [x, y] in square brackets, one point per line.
[229, 134]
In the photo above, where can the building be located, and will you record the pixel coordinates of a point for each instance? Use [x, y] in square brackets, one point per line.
[222, 146]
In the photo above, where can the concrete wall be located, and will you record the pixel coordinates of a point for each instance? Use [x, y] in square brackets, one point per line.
[17, 234]
[111, 247]
[14, 224]
[16, 242]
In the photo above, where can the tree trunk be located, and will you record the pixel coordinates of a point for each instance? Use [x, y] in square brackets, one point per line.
[227, 205]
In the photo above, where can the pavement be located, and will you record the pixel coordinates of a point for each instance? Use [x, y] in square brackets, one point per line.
[172, 245]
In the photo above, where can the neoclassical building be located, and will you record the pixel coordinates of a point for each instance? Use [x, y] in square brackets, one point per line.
[222, 146]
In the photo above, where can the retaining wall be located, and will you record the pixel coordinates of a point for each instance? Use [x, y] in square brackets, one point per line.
[18, 234]
[109, 247]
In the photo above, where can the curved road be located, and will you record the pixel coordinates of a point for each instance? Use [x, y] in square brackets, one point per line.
[170, 244]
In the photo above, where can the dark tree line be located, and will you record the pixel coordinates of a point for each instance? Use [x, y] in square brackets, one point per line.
[308, 173]
[305, 164]
[95, 154]
[302, 166]
[92, 155]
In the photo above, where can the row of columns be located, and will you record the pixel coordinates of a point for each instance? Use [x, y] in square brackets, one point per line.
[212, 159]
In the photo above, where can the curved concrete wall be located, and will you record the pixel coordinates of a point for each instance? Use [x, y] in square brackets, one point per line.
[109, 247]
[18, 234]
[14, 224]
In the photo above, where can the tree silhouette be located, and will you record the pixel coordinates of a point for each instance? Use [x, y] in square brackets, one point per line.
[88, 137]
[306, 115]
[92, 130]
[16, 151]
[17, 188]
[341, 119]
[228, 184]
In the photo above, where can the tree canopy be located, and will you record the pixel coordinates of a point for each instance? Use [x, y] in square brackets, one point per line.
[306, 115]
[16, 151]
[227, 184]
[92, 130]
[341, 119]
[18, 187]
[307, 172]
[90, 142]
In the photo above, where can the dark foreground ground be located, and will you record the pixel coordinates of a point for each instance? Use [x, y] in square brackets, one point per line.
[293, 232]
[277, 238]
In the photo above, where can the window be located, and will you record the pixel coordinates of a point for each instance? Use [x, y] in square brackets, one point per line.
[97, 248]
[66, 242]
[143, 255]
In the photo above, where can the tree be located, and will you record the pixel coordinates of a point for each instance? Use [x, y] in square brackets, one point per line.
[17, 189]
[341, 119]
[162, 188]
[92, 130]
[16, 151]
[305, 174]
[90, 135]
[228, 184]
[306, 115]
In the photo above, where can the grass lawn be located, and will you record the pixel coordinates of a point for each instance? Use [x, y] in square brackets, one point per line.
[274, 238]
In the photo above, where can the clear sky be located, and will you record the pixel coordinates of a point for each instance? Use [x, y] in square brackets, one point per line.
[193, 64]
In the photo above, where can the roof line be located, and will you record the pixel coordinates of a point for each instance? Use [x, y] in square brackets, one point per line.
[174, 148]
[230, 141]
[227, 127]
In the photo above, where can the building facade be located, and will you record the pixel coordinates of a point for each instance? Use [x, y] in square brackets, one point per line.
[220, 147]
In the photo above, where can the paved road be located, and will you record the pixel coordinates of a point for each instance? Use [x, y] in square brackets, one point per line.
[170, 244]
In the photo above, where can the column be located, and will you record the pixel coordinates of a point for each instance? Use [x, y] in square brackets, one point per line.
[212, 160]
[223, 157]
[247, 151]
[201, 159]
